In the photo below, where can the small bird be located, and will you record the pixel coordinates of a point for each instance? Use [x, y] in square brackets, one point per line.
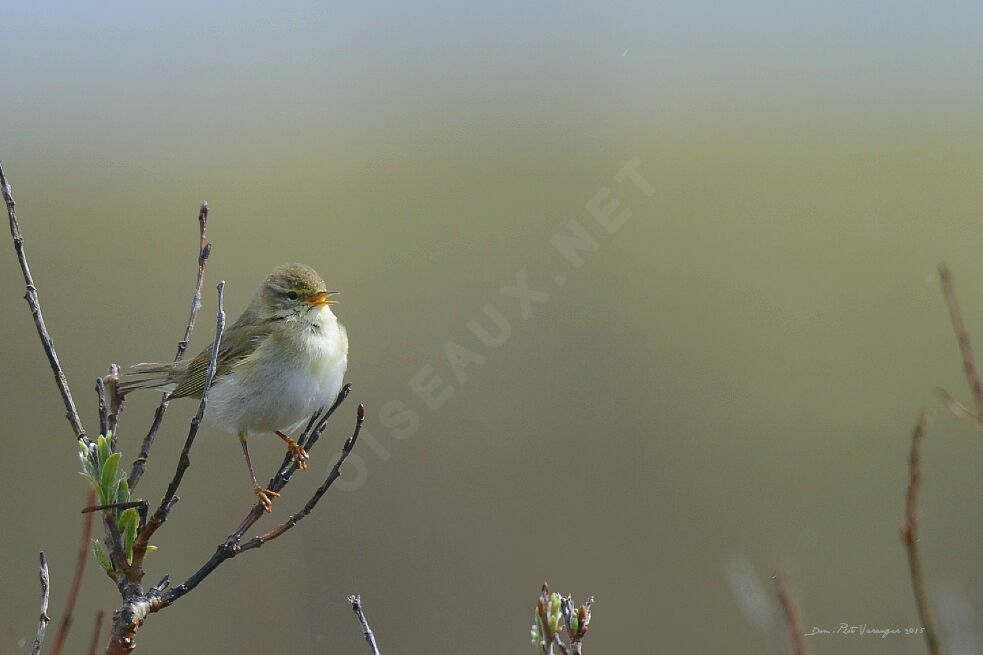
[283, 358]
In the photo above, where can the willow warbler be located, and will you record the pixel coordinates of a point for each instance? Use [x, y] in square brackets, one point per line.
[281, 360]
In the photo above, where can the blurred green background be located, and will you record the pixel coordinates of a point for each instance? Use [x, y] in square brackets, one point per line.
[724, 388]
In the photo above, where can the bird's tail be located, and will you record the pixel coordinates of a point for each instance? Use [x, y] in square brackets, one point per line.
[148, 376]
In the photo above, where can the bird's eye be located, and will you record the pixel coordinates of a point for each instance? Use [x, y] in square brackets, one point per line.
[292, 295]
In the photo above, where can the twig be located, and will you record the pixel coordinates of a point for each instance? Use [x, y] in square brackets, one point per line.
[287, 468]
[346, 450]
[116, 400]
[965, 346]
[88, 509]
[85, 546]
[792, 619]
[232, 547]
[204, 249]
[909, 535]
[103, 408]
[31, 296]
[43, 618]
[356, 602]
[160, 514]
[94, 642]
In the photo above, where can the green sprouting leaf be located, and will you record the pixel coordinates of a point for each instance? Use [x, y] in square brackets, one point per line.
[107, 478]
[105, 450]
[87, 458]
[122, 491]
[101, 556]
[150, 548]
[129, 521]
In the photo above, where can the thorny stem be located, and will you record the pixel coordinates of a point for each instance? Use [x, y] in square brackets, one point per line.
[31, 296]
[909, 535]
[204, 249]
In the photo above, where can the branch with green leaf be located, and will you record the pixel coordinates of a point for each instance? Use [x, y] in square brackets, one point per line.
[128, 525]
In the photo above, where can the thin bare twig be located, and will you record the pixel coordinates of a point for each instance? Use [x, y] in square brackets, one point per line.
[307, 439]
[965, 346]
[160, 514]
[85, 546]
[43, 619]
[88, 509]
[116, 400]
[103, 407]
[356, 602]
[31, 296]
[94, 642]
[909, 535]
[204, 249]
[232, 546]
[346, 450]
[791, 612]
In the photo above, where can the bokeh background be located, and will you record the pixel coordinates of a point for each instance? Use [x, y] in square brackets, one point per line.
[725, 388]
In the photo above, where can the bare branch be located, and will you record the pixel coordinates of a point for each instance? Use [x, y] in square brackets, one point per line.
[356, 602]
[231, 546]
[965, 346]
[117, 401]
[160, 515]
[31, 296]
[346, 450]
[792, 619]
[94, 642]
[204, 249]
[307, 439]
[81, 560]
[43, 619]
[909, 535]
[103, 408]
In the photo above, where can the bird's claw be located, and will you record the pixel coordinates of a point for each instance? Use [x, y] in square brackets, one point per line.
[298, 454]
[265, 497]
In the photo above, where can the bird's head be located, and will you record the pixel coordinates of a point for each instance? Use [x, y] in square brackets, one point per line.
[295, 289]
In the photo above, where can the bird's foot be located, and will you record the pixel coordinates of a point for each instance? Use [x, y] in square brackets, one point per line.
[265, 497]
[297, 452]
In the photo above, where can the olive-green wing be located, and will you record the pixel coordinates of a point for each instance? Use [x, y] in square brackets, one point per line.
[238, 342]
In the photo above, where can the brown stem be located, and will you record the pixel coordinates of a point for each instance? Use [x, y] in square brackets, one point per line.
[43, 618]
[31, 296]
[909, 535]
[791, 612]
[965, 345]
[204, 249]
[81, 560]
[94, 641]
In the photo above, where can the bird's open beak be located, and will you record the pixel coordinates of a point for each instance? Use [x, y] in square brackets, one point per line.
[323, 298]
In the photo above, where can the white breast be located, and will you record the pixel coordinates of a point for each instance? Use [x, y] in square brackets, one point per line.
[286, 382]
